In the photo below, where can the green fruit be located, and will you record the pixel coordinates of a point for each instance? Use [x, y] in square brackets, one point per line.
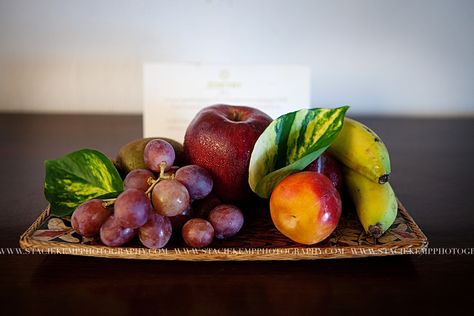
[130, 155]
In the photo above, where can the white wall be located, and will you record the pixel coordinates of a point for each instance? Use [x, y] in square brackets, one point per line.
[379, 56]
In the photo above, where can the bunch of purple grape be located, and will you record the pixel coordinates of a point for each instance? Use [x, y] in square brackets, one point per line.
[158, 201]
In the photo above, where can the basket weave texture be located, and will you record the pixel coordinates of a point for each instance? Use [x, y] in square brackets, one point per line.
[258, 240]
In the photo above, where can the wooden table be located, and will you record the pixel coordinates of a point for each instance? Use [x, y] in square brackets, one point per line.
[433, 174]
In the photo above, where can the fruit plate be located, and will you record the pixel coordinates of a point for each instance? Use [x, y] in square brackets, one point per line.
[258, 240]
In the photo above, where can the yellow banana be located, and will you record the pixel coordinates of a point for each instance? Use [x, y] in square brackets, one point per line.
[375, 203]
[359, 148]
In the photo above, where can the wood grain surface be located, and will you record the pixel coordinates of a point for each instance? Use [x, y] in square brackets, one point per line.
[432, 175]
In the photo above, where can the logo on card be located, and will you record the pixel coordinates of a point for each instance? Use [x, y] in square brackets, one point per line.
[223, 81]
[224, 74]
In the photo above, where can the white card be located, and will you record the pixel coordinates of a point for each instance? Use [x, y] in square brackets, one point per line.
[174, 93]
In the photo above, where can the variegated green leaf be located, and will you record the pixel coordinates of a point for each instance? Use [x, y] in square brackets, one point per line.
[77, 177]
[290, 143]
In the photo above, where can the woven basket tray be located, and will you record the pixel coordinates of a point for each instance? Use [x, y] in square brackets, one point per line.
[258, 240]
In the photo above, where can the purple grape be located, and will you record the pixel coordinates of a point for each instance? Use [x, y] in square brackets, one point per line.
[113, 234]
[132, 208]
[138, 179]
[156, 232]
[196, 179]
[197, 233]
[156, 152]
[178, 221]
[170, 197]
[88, 217]
[227, 220]
[203, 207]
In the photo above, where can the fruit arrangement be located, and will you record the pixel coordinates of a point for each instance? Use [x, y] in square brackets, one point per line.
[156, 190]
[152, 207]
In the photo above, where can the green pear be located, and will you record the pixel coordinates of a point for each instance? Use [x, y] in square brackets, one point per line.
[130, 155]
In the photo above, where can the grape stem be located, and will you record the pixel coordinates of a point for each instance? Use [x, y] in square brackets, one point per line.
[108, 202]
[162, 176]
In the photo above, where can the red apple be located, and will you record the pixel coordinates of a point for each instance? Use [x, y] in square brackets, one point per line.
[221, 138]
[330, 167]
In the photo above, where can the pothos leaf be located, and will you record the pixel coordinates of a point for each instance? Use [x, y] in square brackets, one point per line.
[290, 143]
[77, 177]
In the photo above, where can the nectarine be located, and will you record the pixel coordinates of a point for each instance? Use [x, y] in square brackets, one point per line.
[305, 207]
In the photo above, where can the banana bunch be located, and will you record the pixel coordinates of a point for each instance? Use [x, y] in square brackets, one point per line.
[366, 173]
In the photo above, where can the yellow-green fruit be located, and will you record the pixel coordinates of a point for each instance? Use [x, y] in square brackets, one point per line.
[375, 203]
[130, 155]
[359, 148]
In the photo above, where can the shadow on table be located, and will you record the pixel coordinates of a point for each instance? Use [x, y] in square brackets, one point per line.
[127, 286]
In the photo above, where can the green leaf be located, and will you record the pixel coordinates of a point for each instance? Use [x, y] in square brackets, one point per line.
[77, 177]
[290, 143]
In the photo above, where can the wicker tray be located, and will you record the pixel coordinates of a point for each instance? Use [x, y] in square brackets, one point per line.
[258, 240]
